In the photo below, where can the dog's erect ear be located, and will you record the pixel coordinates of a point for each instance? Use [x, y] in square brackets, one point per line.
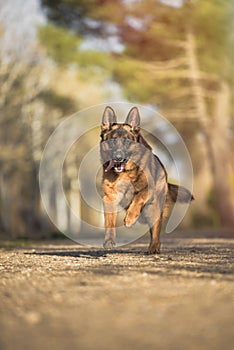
[133, 119]
[108, 118]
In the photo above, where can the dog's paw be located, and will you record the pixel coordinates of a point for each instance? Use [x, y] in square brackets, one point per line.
[154, 248]
[109, 244]
[130, 219]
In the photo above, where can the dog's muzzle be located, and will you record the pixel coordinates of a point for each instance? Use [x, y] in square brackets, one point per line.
[118, 167]
[117, 162]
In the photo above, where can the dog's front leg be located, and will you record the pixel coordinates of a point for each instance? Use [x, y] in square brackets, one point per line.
[135, 208]
[110, 213]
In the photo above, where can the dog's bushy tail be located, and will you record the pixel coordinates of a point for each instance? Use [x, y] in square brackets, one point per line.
[180, 194]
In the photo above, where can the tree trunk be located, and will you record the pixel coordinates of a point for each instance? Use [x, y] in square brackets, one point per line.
[215, 136]
[222, 156]
[4, 203]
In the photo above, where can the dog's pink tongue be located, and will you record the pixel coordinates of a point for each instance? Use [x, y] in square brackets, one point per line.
[110, 165]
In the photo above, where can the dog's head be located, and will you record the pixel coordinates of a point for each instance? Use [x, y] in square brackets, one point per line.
[117, 139]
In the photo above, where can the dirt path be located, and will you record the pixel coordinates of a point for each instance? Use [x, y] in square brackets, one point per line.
[62, 296]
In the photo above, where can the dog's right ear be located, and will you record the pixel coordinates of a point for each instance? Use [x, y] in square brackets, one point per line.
[133, 119]
[108, 118]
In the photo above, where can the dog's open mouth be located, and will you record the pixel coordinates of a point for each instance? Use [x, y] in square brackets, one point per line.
[118, 167]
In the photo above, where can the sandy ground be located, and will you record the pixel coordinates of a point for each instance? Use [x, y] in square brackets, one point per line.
[63, 296]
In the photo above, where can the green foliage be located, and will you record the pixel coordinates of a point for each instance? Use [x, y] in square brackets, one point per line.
[54, 100]
[71, 14]
[159, 28]
[64, 47]
[91, 58]
[60, 44]
[157, 36]
[212, 24]
[125, 71]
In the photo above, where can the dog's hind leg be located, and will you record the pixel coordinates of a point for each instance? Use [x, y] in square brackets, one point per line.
[154, 246]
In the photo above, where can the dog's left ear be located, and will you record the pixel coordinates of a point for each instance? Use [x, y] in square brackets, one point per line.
[108, 118]
[133, 119]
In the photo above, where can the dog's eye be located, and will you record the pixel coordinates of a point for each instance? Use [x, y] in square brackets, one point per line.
[127, 142]
[113, 142]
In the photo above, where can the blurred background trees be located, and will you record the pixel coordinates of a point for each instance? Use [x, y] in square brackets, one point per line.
[176, 56]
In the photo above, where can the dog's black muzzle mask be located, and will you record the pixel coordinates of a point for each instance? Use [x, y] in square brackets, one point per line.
[117, 152]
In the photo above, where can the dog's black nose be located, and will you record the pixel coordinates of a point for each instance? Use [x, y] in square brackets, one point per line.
[118, 156]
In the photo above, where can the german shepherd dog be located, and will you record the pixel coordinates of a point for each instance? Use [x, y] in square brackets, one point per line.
[134, 178]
